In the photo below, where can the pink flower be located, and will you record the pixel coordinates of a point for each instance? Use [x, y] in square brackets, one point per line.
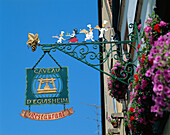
[144, 84]
[162, 24]
[117, 85]
[139, 26]
[155, 108]
[119, 64]
[148, 29]
[114, 67]
[141, 42]
[148, 73]
[158, 58]
[149, 20]
[144, 97]
[160, 87]
[141, 120]
[166, 90]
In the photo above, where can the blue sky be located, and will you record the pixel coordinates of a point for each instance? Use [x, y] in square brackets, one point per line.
[47, 18]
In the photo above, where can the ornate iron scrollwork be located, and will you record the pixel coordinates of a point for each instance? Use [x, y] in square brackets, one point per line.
[88, 53]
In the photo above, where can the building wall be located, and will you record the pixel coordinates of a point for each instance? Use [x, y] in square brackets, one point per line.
[128, 16]
[108, 100]
[111, 105]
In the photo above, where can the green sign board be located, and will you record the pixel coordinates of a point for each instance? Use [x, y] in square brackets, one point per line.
[47, 86]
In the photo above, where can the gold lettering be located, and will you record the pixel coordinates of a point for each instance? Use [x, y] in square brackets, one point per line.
[49, 101]
[40, 71]
[57, 69]
[34, 101]
[45, 101]
[53, 71]
[48, 70]
[28, 101]
[44, 70]
[38, 101]
[64, 99]
[53, 100]
[58, 100]
[35, 71]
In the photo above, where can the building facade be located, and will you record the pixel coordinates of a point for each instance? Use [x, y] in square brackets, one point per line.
[119, 14]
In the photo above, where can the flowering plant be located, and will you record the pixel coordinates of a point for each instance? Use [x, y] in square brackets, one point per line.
[116, 87]
[110, 132]
[113, 120]
[150, 90]
[160, 73]
[159, 40]
[139, 119]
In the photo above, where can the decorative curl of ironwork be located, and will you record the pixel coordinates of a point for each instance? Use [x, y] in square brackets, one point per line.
[88, 53]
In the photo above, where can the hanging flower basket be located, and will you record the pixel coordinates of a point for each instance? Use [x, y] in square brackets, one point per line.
[115, 122]
[117, 88]
[150, 93]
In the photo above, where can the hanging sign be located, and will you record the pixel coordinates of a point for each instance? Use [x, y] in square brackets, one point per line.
[47, 86]
[47, 116]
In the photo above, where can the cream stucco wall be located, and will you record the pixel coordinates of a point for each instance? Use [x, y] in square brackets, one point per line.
[109, 107]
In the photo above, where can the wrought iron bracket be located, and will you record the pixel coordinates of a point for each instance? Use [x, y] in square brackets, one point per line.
[89, 54]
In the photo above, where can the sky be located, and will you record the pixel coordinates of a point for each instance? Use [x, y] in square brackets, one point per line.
[47, 18]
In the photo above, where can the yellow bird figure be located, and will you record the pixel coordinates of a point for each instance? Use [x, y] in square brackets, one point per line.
[33, 41]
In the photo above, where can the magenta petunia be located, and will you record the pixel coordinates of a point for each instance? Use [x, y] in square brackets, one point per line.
[158, 72]
[162, 103]
[155, 108]
[144, 84]
[166, 54]
[148, 73]
[148, 29]
[160, 64]
[149, 20]
[114, 67]
[166, 90]
[167, 78]
[139, 26]
[162, 24]
[119, 64]
[144, 97]
[158, 58]
[160, 87]
[117, 85]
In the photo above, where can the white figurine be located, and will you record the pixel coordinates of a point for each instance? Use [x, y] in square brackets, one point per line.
[89, 35]
[103, 29]
[60, 38]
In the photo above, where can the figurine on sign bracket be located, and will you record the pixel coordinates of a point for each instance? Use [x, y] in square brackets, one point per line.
[33, 41]
[73, 38]
[103, 29]
[89, 35]
[60, 38]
